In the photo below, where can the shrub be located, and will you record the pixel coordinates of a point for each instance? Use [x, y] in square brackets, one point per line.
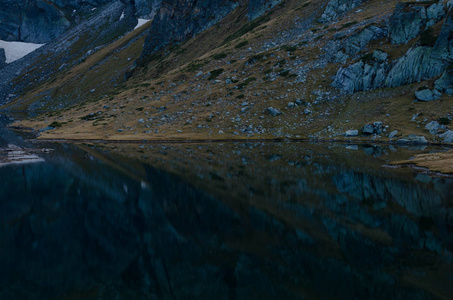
[220, 55]
[241, 44]
[427, 38]
[215, 73]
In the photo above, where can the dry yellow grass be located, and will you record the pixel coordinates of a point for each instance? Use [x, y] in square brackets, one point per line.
[435, 162]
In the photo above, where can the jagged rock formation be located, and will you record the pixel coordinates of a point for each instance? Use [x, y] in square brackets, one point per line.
[407, 20]
[102, 28]
[445, 83]
[421, 62]
[336, 8]
[179, 20]
[257, 7]
[147, 8]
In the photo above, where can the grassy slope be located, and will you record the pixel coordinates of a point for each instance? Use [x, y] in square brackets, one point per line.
[176, 104]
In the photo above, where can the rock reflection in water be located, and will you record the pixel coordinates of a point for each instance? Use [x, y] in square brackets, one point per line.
[233, 221]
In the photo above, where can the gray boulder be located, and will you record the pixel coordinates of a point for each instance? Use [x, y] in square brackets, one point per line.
[432, 127]
[273, 111]
[368, 129]
[445, 83]
[352, 133]
[336, 8]
[447, 136]
[393, 134]
[427, 95]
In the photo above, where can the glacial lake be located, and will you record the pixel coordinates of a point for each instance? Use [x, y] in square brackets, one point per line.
[223, 221]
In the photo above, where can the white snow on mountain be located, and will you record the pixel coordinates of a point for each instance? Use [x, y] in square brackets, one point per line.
[16, 50]
[141, 22]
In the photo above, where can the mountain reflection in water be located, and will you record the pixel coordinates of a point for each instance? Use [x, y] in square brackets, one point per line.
[223, 221]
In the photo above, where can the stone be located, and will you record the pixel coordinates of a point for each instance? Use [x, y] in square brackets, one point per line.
[368, 129]
[427, 95]
[447, 137]
[393, 134]
[354, 132]
[380, 56]
[432, 127]
[290, 104]
[307, 111]
[273, 112]
[445, 83]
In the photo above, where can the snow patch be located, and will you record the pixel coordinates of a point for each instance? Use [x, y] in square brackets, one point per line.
[141, 22]
[16, 50]
[122, 15]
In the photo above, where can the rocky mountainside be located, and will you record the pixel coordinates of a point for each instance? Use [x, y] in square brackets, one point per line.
[247, 69]
[41, 21]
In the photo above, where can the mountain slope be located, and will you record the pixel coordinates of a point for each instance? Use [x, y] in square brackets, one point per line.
[315, 69]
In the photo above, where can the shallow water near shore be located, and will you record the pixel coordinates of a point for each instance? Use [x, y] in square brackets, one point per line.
[223, 221]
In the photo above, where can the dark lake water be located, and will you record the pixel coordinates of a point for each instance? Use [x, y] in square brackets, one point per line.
[223, 221]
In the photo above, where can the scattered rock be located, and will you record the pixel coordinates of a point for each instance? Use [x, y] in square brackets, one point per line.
[273, 112]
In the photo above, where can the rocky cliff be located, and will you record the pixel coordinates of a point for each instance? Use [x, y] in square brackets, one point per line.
[178, 20]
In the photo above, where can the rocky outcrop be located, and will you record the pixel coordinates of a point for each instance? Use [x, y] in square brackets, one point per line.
[258, 7]
[336, 8]
[178, 20]
[408, 19]
[445, 83]
[357, 42]
[419, 63]
[147, 8]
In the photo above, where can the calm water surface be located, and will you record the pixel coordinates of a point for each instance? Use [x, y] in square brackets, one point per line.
[224, 221]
